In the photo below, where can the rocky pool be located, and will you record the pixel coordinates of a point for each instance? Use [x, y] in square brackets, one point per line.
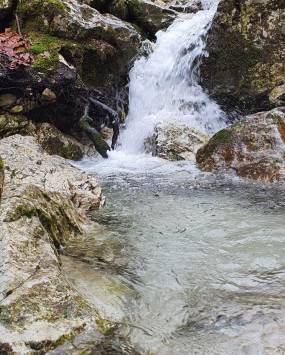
[197, 259]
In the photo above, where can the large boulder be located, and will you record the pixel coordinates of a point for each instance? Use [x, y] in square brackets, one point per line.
[175, 142]
[150, 16]
[246, 46]
[43, 209]
[253, 148]
[71, 20]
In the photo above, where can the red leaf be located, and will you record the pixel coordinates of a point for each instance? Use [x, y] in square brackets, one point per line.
[15, 48]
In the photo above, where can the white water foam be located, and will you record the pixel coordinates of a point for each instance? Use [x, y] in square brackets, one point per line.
[165, 86]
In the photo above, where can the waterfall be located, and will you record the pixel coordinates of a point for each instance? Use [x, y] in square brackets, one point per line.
[164, 87]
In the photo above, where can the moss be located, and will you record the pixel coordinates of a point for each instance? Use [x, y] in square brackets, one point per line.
[220, 138]
[29, 7]
[46, 49]
[41, 42]
[104, 326]
[46, 63]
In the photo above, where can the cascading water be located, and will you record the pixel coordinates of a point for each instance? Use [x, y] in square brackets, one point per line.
[164, 87]
[197, 259]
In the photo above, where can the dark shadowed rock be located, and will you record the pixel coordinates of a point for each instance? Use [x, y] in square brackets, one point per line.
[6, 7]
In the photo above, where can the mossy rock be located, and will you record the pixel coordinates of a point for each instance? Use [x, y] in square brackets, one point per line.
[55, 142]
[253, 148]
[245, 47]
[12, 124]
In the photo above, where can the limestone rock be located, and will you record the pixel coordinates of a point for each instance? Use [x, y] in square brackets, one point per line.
[51, 139]
[70, 19]
[27, 164]
[246, 46]
[176, 142]
[42, 210]
[253, 148]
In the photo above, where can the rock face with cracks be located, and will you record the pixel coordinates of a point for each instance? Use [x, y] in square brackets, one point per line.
[43, 208]
[246, 46]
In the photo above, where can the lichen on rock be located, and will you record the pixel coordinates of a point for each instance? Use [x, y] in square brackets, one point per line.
[246, 46]
[253, 148]
[43, 209]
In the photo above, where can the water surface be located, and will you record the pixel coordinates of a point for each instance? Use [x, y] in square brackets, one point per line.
[204, 269]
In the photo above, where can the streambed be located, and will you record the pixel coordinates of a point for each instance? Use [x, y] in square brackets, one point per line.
[204, 269]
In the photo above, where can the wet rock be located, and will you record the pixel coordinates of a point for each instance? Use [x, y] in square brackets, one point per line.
[43, 208]
[253, 148]
[176, 142]
[151, 17]
[186, 6]
[246, 47]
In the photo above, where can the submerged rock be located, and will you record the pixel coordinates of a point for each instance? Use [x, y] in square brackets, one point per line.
[253, 148]
[246, 47]
[176, 142]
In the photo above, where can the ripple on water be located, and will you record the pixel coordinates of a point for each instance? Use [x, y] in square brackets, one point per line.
[205, 256]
